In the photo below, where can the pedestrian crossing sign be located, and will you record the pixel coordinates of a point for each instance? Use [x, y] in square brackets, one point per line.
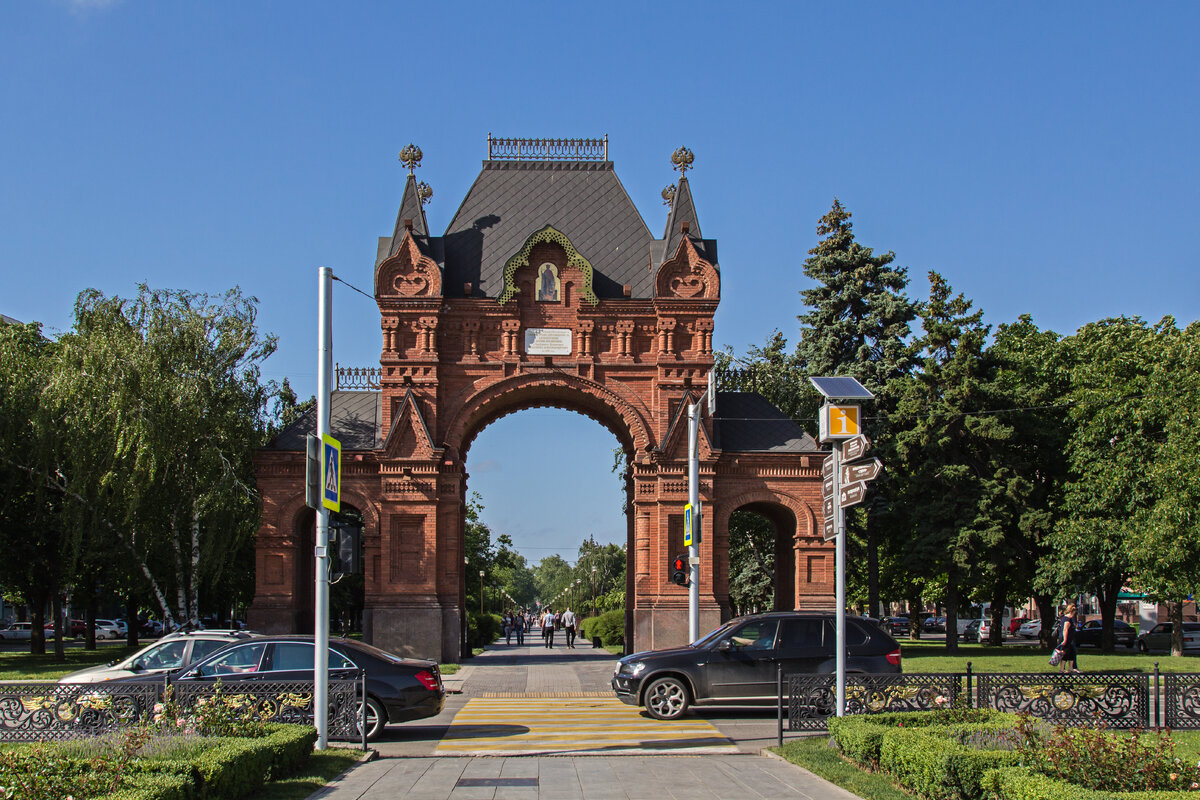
[687, 525]
[331, 473]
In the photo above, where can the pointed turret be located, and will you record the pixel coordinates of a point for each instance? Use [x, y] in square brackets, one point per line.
[683, 212]
[412, 204]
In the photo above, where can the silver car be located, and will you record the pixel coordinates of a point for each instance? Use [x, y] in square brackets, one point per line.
[169, 653]
[1158, 638]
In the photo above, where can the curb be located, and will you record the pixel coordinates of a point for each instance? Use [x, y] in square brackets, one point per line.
[363, 758]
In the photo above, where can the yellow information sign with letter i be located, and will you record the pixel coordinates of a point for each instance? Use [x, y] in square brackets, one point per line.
[687, 525]
[331, 473]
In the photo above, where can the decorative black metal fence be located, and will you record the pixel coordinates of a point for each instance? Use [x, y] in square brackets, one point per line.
[1116, 700]
[1180, 700]
[1113, 699]
[812, 698]
[51, 711]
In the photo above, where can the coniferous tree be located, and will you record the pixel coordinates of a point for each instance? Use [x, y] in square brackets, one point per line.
[858, 325]
[939, 442]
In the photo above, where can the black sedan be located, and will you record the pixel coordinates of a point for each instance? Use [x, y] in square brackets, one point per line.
[1089, 633]
[896, 626]
[398, 689]
[736, 663]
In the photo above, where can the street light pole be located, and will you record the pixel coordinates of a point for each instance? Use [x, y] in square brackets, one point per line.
[481, 593]
[593, 590]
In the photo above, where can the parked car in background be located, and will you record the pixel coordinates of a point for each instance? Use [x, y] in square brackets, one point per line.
[17, 632]
[107, 629]
[935, 624]
[1015, 624]
[169, 653]
[896, 626]
[75, 627]
[971, 632]
[1158, 638]
[736, 663]
[1030, 629]
[985, 631]
[398, 689]
[1123, 633]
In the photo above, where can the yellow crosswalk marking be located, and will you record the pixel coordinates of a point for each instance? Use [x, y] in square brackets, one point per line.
[577, 725]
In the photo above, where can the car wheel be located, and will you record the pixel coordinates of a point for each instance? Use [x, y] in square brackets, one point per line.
[376, 718]
[666, 698]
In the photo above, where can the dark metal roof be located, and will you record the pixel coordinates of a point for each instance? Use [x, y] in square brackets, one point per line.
[510, 200]
[747, 422]
[353, 421]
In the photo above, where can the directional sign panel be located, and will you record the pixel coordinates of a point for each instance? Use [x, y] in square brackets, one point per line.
[827, 467]
[827, 508]
[827, 488]
[830, 531]
[855, 448]
[862, 471]
[852, 495]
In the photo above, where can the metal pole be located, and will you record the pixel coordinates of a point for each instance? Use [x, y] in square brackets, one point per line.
[839, 522]
[694, 499]
[321, 550]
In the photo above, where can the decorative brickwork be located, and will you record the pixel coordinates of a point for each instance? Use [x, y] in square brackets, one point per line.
[452, 363]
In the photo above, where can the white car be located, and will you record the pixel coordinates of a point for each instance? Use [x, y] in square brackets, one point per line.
[1030, 630]
[17, 632]
[108, 629]
[985, 630]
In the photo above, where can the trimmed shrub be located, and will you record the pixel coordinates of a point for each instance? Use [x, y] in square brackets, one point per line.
[930, 762]
[610, 627]
[484, 629]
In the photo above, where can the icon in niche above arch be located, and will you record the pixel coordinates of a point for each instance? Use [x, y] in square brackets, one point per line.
[548, 284]
[521, 259]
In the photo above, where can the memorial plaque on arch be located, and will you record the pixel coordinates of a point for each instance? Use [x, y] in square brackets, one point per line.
[548, 341]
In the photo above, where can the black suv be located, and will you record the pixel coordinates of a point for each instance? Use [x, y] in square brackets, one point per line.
[736, 663]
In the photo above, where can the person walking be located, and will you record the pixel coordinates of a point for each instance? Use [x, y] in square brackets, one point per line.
[1068, 640]
[519, 626]
[568, 623]
[548, 628]
[508, 628]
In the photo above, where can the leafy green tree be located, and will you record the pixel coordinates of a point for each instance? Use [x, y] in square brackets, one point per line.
[858, 324]
[1130, 502]
[162, 398]
[939, 448]
[751, 563]
[1022, 487]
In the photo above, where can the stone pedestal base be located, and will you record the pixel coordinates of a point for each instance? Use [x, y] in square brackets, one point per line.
[658, 628]
[421, 630]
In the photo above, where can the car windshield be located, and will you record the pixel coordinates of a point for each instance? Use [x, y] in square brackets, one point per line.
[713, 636]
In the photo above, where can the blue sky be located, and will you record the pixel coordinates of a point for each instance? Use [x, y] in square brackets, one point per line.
[1043, 157]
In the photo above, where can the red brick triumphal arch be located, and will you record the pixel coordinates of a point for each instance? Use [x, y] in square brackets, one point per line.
[546, 289]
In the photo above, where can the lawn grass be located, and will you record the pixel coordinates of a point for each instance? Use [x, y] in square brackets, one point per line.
[22, 666]
[932, 657]
[449, 669]
[322, 767]
[815, 755]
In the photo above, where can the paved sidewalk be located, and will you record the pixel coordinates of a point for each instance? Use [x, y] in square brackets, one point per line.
[744, 777]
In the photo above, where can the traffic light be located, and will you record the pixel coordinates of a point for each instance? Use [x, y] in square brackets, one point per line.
[678, 570]
[312, 472]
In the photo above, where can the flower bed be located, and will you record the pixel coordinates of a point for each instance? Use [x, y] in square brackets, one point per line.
[967, 754]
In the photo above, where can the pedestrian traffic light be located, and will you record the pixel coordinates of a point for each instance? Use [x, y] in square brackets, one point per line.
[312, 472]
[678, 570]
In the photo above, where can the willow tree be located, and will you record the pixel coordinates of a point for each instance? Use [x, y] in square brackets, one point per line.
[163, 400]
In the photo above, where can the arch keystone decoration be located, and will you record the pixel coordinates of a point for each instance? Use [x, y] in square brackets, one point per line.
[521, 259]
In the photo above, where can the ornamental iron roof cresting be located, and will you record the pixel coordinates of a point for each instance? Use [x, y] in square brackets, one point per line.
[509, 149]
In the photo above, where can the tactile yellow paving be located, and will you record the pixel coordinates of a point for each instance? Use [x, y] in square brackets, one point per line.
[577, 725]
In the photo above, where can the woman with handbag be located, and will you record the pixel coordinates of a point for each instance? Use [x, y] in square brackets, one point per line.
[1066, 651]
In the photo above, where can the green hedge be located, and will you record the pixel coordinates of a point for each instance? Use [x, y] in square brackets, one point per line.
[930, 762]
[1018, 783]
[483, 629]
[609, 626]
[861, 737]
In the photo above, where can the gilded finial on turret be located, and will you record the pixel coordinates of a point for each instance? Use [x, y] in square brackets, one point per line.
[668, 195]
[682, 159]
[410, 157]
[424, 192]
